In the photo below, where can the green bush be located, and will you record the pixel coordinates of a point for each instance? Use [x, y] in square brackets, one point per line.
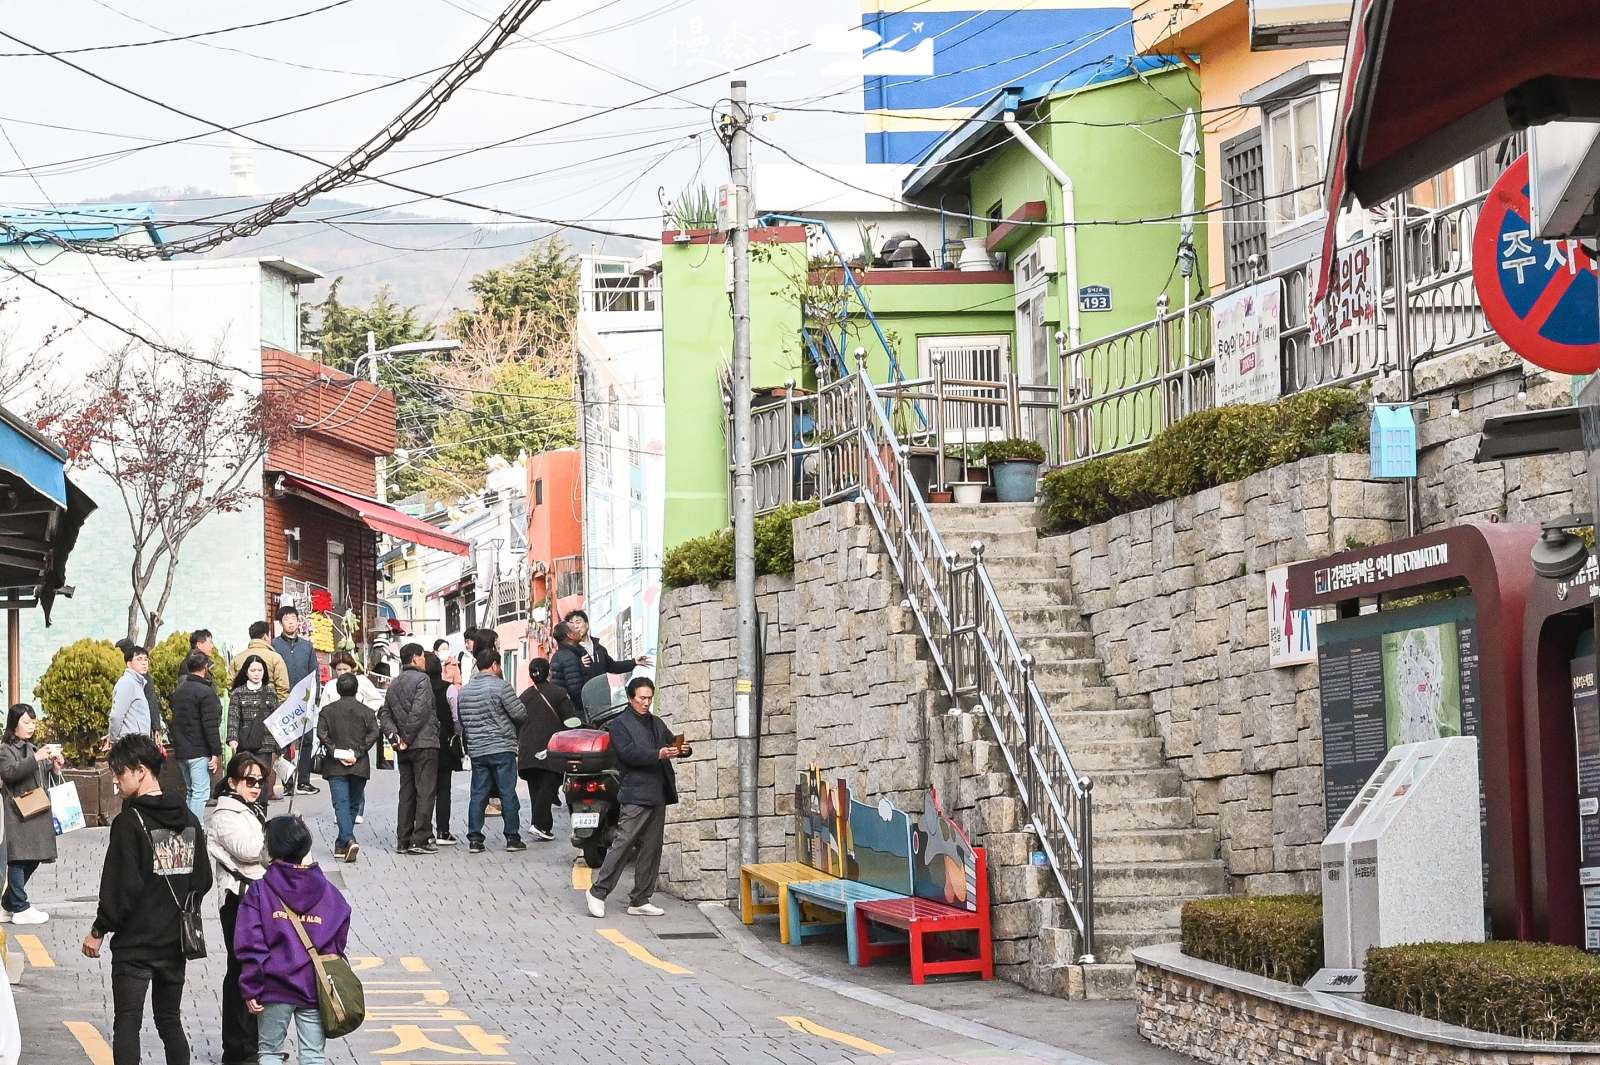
[1208, 448]
[1276, 936]
[1014, 448]
[166, 664]
[708, 559]
[75, 695]
[1524, 990]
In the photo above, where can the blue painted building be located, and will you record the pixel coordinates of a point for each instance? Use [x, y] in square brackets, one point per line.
[975, 53]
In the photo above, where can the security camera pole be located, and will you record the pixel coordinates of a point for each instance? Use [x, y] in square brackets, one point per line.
[744, 503]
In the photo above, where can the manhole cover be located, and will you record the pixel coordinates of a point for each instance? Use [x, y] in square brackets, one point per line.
[687, 935]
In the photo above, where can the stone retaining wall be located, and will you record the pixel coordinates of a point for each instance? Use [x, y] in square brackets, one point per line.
[1176, 598]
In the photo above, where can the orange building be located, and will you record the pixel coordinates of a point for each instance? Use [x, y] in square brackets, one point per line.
[555, 537]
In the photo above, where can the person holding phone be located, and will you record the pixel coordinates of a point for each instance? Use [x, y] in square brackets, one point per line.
[646, 749]
[581, 657]
[30, 840]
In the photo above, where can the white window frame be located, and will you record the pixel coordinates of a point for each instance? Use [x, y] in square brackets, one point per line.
[1319, 101]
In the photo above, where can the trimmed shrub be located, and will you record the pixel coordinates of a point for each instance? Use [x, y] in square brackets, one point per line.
[1014, 448]
[1276, 936]
[1524, 990]
[75, 695]
[708, 559]
[166, 660]
[1208, 448]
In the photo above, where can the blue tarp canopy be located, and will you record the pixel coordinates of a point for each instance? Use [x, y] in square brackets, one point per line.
[34, 458]
[41, 513]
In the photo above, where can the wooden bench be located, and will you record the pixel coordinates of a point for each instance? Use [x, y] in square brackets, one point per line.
[920, 918]
[775, 877]
[838, 896]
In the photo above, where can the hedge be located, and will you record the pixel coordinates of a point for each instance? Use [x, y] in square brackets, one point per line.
[1276, 936]
[1524, 990]
[708, 559]
[1208, 448]
[75, 695]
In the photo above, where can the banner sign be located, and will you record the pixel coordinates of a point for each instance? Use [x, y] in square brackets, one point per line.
[1352, 303]
[1246, 325]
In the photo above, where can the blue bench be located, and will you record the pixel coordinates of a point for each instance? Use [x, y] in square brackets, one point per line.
[837, 896]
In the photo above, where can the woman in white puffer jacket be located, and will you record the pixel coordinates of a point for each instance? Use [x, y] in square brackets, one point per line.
[237, 843]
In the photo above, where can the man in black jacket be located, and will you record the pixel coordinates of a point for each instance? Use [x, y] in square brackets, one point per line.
[582, 658]
[155, 859]
[409, 720]
[197, 729]
[643, 744]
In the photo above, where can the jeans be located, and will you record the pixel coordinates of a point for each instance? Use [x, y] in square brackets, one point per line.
[641, 830]
[129, 981]
[238, 1023]
[15, 899]
[274, 1026]
[419, 776]
[197, 775]
[544, 787]
[347, 793]
[502, 769]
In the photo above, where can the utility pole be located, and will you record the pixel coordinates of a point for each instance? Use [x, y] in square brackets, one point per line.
[744, 502]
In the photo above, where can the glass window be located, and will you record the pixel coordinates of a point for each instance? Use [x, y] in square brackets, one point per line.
[1294, 136]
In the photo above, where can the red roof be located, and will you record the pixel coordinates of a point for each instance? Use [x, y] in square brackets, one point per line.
[376, 515]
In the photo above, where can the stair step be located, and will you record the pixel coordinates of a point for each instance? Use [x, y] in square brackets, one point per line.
[1010, 542]
[1113, 981]
[1147, 879]
[1014, 566]
[1044, 618]
[1141, 913]
[1122, 785]
[1174, 811]
[999, 517]
[1098, 756]
[1065, 672]
[1077, 726]
[1023, 592]
[1060, 700]
[1116, 946]
[1058, 645]
[1154, 844]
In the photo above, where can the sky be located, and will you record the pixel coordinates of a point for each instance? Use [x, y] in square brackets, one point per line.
[595, 97]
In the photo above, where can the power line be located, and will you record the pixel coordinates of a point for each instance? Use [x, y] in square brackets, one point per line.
[185, 37]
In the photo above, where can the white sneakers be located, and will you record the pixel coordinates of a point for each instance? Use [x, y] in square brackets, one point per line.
[647, 910]
[360, 820]
[597, 907]
[5, 916]
[541, 835]
[32, 915]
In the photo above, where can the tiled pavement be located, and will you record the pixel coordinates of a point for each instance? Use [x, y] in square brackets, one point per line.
[492, 960]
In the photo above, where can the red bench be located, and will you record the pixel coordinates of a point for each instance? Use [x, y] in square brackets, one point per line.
[920, 918]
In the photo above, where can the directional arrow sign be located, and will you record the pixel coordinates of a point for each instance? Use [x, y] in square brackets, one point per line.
[1542, 297]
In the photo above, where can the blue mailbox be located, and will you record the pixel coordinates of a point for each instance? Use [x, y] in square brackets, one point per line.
[1394, 442]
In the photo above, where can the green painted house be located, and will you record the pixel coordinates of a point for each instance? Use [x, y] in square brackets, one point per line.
[980, 192]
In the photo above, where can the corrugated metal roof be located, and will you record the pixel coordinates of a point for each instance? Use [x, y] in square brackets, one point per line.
[82, 221]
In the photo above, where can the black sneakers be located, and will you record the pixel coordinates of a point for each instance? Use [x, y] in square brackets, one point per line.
[515, 844]
[475, 846]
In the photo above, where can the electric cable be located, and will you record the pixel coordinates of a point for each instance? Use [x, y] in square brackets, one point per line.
[184, 37]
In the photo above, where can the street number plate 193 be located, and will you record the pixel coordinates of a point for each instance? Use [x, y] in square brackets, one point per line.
[585, 820]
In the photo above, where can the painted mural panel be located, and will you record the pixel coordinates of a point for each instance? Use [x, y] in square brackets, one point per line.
[943, 866]
[821, 825]
[879, 846]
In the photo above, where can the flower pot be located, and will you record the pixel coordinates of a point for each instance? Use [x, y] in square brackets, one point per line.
[974, 255]
[940, 497]
[969, 492]
[1015, 480]
[96, 792]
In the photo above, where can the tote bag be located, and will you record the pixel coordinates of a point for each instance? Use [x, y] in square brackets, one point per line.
[66, 809]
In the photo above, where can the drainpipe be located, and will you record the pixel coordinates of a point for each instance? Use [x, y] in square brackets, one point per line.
[1069, 208]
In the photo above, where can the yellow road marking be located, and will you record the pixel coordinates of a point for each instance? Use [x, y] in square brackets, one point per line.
[33, 947]
[358, 963]
[94, 1044]
[801, 1024]
[415, 965]
[582, 877]
[643, 955]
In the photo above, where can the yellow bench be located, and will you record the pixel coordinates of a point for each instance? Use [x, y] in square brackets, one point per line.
[776, 878]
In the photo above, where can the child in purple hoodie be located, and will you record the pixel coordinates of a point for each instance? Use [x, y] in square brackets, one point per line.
[277, 979]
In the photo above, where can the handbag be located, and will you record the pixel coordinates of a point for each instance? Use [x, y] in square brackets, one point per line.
[66, 807]
[34, 801]
[340, 997]
[191, 932]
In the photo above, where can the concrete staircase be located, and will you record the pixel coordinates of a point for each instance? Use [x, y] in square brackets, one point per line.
[1150, 856]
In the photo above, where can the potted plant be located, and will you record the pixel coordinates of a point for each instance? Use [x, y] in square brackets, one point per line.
[1014, 468]
[75, 695]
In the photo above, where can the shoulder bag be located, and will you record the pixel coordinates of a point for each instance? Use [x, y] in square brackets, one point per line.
[34, 801]
[191, 932]
[340, 997]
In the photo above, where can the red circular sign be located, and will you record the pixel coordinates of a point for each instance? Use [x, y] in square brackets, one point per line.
[1541, 296]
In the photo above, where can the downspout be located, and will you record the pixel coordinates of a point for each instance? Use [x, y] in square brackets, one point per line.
[1069, 209]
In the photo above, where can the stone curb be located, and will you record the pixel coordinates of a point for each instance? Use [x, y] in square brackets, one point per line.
[734, 931]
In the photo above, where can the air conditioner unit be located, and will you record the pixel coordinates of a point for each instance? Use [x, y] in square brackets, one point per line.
[1037, 263]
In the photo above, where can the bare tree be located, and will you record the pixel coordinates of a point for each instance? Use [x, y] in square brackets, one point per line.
[180, 443]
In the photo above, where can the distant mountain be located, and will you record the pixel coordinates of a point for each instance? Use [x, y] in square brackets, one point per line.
[427, 262]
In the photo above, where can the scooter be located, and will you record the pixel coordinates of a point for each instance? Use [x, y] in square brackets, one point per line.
[590, 786]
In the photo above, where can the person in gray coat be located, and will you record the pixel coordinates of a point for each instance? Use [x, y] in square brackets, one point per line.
[408, 719]
[30, 841]
[491, 713]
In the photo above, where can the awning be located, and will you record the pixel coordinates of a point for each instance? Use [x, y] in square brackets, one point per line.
[34, 458]
[41, 513]
[374, 515]
[1428, 83]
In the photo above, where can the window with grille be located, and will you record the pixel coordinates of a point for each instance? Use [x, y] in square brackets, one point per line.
[1243, 214]
[969, 358]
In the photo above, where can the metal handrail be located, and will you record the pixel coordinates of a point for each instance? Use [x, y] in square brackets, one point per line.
[966, 631]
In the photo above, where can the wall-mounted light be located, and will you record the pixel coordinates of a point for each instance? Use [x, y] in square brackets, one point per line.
[1455, 406]
[1522, 388]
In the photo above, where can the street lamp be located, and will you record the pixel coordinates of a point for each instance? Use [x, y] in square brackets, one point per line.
[414, 348]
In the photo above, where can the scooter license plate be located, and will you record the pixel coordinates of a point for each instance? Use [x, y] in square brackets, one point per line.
[585, 820]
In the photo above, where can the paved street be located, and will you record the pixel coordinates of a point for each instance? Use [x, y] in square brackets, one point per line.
[492, 960]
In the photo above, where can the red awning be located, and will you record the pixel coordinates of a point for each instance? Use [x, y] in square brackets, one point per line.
[1428, 83]
[375, 515]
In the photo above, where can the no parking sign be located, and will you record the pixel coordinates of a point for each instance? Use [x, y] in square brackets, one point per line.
[1541, 296]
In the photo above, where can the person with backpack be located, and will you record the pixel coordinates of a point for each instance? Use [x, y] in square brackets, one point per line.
[155, 872]
[278, 978]
[235, 839]
[548, 710]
